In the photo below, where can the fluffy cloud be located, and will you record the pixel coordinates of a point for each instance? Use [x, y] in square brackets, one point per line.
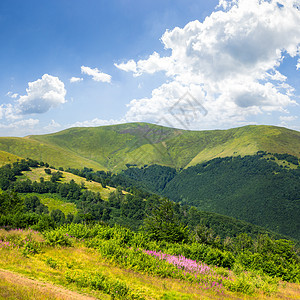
[96, 122]
[96, 74]
[75, 79]
[288, 118]
[42, 95]
[12, 95]
[298, 64]
[151, 65]
[10, 112]
[21, 124]
[52, 126]
[129, 66]
[228, 62]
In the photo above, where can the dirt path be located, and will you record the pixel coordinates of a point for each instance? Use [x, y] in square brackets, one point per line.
[16, 286]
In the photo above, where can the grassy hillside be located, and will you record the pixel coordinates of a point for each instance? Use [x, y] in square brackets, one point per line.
[112, 147]
[111, 263]
[8, 158]
[88, 198]
[27, 148]
[164, 260]
[141, 143]
[53, 201]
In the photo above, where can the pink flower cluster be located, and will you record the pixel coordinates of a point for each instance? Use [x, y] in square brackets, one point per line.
[207, 279]
[182, 262]
[5, 244]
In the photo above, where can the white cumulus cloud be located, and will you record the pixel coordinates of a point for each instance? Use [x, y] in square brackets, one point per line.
[229, 62]
[288, 118]
[10, 112]
[151, 65]
[129, 66]
[42, 95]
[96, 122]
[75, 79]
[96, 74]
[21, 124]
[12, 95]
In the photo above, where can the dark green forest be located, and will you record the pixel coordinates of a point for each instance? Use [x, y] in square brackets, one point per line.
[128, 210]
[253, 188]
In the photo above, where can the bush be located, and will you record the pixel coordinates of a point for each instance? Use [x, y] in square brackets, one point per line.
[97, 281]
[31, 247]
[52, 263]
[56, 238]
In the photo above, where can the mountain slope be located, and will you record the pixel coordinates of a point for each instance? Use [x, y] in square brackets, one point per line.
[8, 158]
[112, 147]
[51, 153]
[259, 189]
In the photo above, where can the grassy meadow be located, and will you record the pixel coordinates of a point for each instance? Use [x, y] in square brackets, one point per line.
[82, 257]
[54, 201]
[36, 173]
[78, 265]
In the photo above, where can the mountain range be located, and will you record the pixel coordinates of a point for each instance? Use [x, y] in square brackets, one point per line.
[112, 147]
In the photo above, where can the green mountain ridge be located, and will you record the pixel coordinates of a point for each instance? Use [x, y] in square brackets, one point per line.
[112, 147]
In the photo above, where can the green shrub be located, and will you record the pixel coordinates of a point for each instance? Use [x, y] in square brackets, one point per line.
[274, 258]
[97, 281]
[52, 263]
[57, 238]
[31, 247]
[241, 284]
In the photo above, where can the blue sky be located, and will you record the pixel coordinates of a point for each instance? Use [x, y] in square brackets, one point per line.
[89, 63]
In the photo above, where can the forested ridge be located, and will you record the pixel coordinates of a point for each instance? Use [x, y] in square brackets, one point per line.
[262, 189]
[20, 203]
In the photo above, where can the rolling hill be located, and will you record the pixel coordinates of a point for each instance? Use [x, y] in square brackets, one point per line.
[112, 147]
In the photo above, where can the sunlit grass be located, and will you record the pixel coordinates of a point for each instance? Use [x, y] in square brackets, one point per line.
[36, 173]
[88, 260]
[53, 263]
[40, 151]
[111, 147]
[8, 158]
[81, 259]
[53, 201]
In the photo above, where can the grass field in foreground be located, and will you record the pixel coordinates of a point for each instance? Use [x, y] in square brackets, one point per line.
[52, 264]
